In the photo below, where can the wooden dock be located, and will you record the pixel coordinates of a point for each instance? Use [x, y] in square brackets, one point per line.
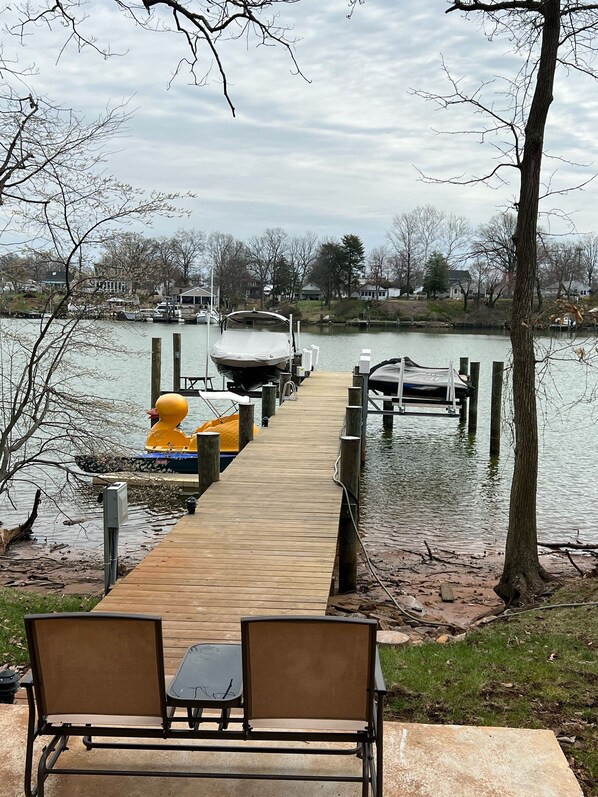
[262, 540]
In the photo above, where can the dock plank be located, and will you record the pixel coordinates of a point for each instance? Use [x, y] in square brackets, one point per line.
[262, 539]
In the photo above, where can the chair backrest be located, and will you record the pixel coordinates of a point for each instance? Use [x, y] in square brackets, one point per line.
[310, 668]
[97, 664]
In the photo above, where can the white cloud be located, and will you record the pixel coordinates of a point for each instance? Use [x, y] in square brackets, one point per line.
[335, 155]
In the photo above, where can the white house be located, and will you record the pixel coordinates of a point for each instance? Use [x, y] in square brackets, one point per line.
[370, 293]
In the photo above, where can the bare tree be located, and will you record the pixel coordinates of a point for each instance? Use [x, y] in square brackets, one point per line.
[302, 252]
[495, 243]
[186, 250]
[229, 260]
[378, 266]
[132, 258]
[205, 28]
[549, 32]
[589, 258]
[265, 252]
[56, 196]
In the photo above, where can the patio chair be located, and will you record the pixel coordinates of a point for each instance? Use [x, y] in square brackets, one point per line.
[304, 679]
[310, 679]
[92, 671]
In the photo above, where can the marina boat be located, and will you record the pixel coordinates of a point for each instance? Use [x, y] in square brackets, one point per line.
[401, 376]
[167, 447]
[166, 313]
[208, 317]
[253, 348]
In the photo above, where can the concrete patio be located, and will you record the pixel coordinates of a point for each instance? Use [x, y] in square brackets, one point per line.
[420, 761]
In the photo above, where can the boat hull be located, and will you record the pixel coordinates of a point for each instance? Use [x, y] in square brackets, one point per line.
[148, 462]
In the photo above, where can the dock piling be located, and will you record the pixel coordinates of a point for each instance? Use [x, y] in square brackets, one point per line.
[495, 408]
[473, 399]
[347, 542]
[156, 375]
[388, 420]
[176, 362]
[284, 378]
[353, 421]
[268, 401]
[208, 459]
[354, 396]
[246, 421]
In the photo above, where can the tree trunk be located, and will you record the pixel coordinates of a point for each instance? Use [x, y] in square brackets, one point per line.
[8, 536]
[523, 578]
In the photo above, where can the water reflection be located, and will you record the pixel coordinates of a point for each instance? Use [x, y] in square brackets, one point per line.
[427, 479]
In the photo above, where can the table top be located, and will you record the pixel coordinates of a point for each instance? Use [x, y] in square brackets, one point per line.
[209, 676]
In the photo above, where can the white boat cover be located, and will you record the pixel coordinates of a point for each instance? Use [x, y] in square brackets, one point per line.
[248, 348]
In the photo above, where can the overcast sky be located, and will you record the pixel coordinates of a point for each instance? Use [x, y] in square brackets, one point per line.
[339, 154]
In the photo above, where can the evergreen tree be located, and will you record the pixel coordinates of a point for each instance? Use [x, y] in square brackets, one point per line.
[436, 279]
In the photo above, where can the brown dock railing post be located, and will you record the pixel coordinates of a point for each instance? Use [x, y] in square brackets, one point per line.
[156, 373]
[208, 459]
[474, 378]
[176, 361]
[495, 408]
[347, 540]
[353, 421]
[284, 378]
[246, 413]
[387, 420]
[354, 396]
[268, 401]
[463, 369]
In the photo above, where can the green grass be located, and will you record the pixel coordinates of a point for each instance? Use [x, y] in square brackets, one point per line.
[15, 603]
[539, 670]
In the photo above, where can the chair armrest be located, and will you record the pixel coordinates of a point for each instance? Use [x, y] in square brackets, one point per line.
[379, 684]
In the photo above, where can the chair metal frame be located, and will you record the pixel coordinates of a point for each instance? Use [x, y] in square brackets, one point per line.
[367, 742]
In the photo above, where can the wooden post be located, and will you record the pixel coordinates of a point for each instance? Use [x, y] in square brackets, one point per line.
[365, 387]
[268, 401]
[347, 541]
[474, 378]
[176, 362]
[463, 369]
[246, 422]
[353, 421]
[495, 408]
[285, 376]
[156, 373]
[387, 420]
[208, 459]
[354, 397]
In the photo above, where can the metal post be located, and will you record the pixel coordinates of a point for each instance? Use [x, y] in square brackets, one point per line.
[176, 362]
[268, 401]
[208, 459]
[473, 399]
[495, 408]
[246, 415]
[156, 376]
[347, 543]
[463, 369]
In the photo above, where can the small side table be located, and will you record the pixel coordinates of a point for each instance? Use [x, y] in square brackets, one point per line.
[209, 676]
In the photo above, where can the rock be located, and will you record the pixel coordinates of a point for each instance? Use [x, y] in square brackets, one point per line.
[391, 638]
[410, 603]
[443, 639]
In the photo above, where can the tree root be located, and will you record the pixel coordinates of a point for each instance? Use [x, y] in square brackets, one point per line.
[23, 531]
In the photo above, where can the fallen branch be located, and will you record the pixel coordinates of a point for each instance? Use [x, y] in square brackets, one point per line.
[23, 531]
[576, 546]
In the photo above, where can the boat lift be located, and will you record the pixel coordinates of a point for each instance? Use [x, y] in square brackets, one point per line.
[408, 405]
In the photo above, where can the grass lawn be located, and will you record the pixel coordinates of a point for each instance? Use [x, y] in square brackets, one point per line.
[15, 603]
[538, 670]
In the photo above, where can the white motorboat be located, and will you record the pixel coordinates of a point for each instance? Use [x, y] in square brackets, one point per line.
[253, 348]
[166, 313]
[208, 316]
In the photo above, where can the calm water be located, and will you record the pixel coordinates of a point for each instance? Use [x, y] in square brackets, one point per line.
[427, 480]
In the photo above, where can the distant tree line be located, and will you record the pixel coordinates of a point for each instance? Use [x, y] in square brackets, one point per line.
[425, 249]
